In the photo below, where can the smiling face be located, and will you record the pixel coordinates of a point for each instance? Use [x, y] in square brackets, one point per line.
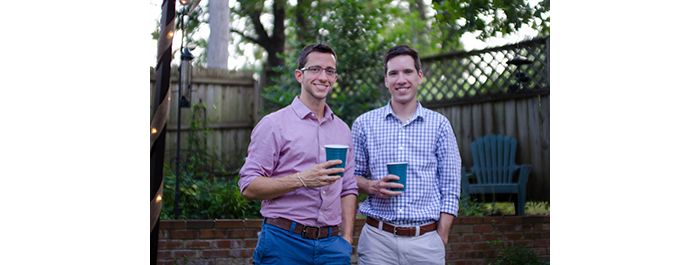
[402, 79]
[316, 86]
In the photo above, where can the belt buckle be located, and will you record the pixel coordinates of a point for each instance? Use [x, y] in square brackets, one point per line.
[398, 228]
[305, 234]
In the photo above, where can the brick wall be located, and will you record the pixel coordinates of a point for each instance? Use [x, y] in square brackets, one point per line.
[473, 240]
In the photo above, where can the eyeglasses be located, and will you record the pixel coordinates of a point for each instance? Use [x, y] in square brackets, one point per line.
[315, 70]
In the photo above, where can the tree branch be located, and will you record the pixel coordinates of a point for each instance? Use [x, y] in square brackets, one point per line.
[263, 38]
[249, 38]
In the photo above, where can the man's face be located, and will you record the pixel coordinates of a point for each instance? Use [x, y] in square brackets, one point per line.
[317, 85]
[402, 79]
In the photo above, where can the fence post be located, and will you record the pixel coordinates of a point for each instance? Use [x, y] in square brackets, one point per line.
[161, 96]
[257, 101]
[547, 68]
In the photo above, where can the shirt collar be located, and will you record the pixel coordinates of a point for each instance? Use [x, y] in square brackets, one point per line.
[419, 115]
[302, 111]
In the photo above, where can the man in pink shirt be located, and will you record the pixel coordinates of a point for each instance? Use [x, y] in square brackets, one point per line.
[309, 211]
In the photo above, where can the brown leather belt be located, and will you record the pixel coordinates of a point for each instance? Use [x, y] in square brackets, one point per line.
[402, 231]
[308, 232]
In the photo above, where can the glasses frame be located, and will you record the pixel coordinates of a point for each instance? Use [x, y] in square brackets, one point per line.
[314, 67]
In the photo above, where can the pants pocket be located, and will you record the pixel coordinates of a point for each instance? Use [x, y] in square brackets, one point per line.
[259, 254]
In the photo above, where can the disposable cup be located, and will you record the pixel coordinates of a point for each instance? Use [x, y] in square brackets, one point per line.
[399, 169]
[336, 151]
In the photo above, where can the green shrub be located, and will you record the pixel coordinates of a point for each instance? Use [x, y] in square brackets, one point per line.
[516, 255]
[509, 253]
[208, 187]
[472, 207]
[210, 198]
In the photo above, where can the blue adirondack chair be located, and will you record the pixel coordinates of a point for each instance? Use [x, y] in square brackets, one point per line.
[495, 171]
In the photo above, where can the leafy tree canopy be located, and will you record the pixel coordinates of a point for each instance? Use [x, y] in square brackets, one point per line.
[360, 32]
[488, 18]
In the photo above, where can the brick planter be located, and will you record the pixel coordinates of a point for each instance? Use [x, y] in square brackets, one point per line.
[473, 240]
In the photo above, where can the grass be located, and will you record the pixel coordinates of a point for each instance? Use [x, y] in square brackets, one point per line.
[475, 208]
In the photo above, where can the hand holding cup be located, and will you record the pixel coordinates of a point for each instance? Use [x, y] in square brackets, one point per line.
[383, 188]
[321, 174]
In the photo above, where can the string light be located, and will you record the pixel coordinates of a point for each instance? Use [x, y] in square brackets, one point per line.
[154, 130]
[184, 2]
[170, 34]
[158, 198]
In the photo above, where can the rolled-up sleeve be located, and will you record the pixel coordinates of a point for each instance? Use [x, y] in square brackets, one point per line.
[349, 181]
[359, 142]
[263, 153]
[449, 164]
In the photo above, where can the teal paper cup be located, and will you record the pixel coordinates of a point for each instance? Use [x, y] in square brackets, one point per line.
[399, 169]
[336, 151]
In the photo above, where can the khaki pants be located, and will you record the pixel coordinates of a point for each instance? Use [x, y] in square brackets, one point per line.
[382, 248]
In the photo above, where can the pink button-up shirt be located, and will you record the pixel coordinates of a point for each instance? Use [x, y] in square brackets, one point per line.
[291, 140]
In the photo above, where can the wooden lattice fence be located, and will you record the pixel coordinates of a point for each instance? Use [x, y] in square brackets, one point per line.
[231, 105]
[486, 75]
[480, 93]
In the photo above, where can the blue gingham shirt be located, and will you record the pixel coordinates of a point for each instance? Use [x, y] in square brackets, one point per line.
[426, 141]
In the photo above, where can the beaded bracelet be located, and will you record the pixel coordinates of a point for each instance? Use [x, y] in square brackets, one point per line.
[302, 181]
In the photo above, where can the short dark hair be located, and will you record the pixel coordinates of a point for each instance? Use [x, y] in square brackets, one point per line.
[318, 47]
[402, 50]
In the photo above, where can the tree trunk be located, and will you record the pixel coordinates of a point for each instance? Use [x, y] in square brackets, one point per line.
[219, 35]
[274, 45]
[304, 36]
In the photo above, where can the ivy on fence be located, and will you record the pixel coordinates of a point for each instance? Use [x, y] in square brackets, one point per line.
[208, 188]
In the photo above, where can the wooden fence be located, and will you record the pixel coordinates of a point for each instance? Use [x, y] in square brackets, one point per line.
[527, 120]
[476, 90]
[480, 93]
[231, 108]
[483, 92]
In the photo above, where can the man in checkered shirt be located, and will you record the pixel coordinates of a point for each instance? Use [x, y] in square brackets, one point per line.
[409, 226]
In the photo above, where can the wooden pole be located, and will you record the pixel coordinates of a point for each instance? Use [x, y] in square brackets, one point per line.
[159, 114]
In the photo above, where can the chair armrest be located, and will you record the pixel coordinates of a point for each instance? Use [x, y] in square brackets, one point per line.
[464, 189]
[467, 175]
[523, 173]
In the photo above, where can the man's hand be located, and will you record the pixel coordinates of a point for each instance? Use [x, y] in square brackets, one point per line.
[381, 188]
[318, 175]
[444, 236]
[347, 238]
[444, 226]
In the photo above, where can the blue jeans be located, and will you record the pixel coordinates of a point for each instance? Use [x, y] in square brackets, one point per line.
[279, 246]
